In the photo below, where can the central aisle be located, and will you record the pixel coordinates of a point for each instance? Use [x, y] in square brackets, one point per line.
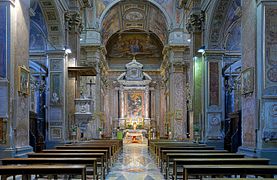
[135, 163]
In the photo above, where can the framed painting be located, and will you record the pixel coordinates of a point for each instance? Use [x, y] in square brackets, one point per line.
[24, 80]
[247, 81]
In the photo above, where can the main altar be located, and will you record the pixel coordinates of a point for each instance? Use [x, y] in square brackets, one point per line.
[134, 98]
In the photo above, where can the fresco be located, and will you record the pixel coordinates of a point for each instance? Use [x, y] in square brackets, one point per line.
[36, 39]
[101, 5]
[167, 5]
[111, 24]
[38, 18]
[140, 44]
[158, 25]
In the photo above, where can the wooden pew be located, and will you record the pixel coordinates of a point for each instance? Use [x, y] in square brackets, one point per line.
[160, 148]
[99, 156]
[180, 162]
[223, 170]
[105, 151]
[102, 146]
[154, 147]
[74, 161]
[164, 152]
[114, 146]
[12, 170]
[171, 156]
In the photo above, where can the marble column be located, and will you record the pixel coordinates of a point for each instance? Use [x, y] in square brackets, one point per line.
[146, 106]
[122, 113]
[14, 50]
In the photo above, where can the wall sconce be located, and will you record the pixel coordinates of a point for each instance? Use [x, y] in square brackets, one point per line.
[67, 50]
[201, 49]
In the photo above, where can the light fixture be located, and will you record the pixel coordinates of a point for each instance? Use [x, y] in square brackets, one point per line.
[201, 49]
[67, 50]
[189, 40]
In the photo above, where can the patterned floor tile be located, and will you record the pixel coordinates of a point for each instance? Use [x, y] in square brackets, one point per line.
[135, 163]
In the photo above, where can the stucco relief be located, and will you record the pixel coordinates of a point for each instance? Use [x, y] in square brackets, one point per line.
[270, 126]
[214, 131]
[248, 122]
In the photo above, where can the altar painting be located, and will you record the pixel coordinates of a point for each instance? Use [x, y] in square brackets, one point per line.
[135, 109]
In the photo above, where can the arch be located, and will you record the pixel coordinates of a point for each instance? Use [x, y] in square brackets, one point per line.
[112, 4]
[229, 35]
[121, 16]
[37, 41]
[215, 26]
[54, 23]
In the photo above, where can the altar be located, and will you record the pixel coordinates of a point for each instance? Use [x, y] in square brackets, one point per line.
[134, 136]
[134, 97]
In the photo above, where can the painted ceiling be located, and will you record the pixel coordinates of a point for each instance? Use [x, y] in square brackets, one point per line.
[129, 15]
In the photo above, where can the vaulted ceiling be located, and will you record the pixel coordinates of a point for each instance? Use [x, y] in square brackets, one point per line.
[134, 28]
[129, 15]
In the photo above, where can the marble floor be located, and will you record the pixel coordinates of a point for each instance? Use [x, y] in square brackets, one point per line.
[135, 163]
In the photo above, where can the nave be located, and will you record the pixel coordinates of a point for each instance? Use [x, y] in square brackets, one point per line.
[136, 163]
[113, 160]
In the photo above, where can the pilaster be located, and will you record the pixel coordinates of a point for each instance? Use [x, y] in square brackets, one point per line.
[14, 113]
[266, 78]
[177, 109]
[56, 97]
[95, 57]
[213, 119]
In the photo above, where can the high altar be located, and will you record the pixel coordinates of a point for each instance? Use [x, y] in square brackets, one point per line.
[134, 97]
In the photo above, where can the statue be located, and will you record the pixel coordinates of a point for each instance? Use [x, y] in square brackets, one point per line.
[135, 126]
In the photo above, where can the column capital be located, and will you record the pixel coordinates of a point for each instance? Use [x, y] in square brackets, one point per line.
[195, 21]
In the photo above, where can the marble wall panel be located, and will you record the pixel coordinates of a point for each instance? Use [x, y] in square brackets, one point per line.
[179, 106]
[270, 122]
[4, 100]
[248, 103]
[213, 83]
[271, 50]
[214, 130]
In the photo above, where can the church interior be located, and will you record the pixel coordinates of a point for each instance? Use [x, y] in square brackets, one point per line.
[138, 89]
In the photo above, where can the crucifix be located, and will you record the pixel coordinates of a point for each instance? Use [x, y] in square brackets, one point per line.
[90, 85]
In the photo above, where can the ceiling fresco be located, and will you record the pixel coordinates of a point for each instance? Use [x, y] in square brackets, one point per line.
[139, 16]
[167, 5]
[147, 49]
